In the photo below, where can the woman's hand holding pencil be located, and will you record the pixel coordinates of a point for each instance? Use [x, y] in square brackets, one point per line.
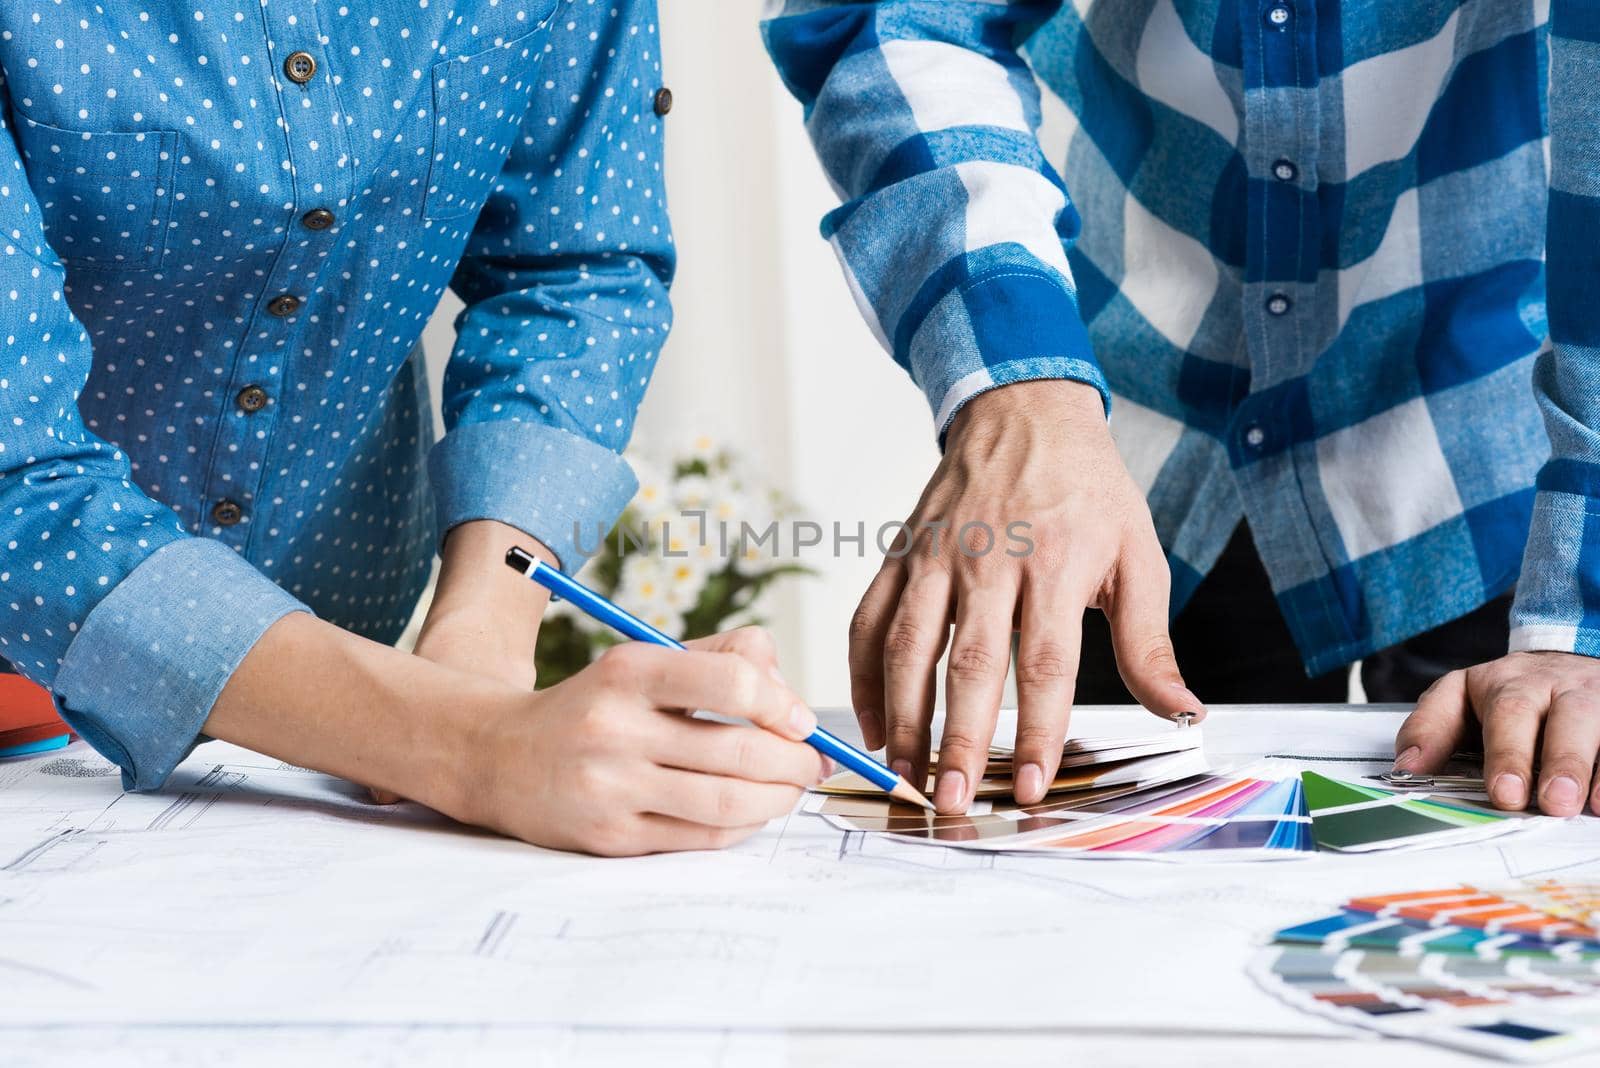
[606, 762]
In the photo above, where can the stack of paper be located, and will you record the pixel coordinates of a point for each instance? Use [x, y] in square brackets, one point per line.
[1513, 973]
[28, 720]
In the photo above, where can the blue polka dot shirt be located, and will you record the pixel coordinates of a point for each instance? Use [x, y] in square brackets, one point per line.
[223, 226]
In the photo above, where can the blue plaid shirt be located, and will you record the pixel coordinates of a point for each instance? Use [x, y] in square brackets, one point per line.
[222, 230]
[1304, 255]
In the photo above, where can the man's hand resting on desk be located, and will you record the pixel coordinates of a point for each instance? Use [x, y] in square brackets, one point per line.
[1513, 701]
[1038, 453]
[606, 762]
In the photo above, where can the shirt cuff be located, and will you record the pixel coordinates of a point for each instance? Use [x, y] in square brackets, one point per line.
[553, 485]
[1014, 325]
[139, 680]
[1560, 580]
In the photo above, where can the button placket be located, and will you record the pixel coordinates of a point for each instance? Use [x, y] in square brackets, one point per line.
[282, 322]
[1282, 128]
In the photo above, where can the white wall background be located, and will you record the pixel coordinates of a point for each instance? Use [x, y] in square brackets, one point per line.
[769, 353]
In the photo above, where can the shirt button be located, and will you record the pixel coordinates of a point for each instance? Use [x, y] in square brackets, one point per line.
[300, 67]
[1278, 17]
[663, 102]
[251, 399]
[227, 513]
[284, 305]
[1279, 304]
[317, 219]
[1285, 171]
[1255, 437]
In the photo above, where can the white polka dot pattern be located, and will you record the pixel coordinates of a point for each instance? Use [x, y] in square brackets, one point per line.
[213, 281]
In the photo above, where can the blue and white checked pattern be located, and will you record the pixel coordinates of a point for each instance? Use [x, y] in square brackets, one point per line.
[156, 171]
[1558, 598]
[1304, 250]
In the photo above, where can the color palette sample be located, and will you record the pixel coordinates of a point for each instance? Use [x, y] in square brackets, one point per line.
[1507, 972]
[1150, 796]
[1086, 763]
[1196, 817]
[1354, 818]
[1155, 796]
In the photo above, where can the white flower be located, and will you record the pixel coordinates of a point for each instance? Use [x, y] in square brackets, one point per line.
[684, 581]
[655, 488]
[643, 585]
[692, 492]
[703, 447]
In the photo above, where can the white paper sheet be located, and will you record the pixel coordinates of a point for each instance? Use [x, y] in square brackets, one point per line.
[255, 892]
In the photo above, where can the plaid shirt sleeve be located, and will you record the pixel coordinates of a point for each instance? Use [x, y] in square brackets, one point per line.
[1558, 595]
[954, 228]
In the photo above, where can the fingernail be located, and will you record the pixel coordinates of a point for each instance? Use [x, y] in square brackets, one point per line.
[772, 669]
[951, 793]
[827, 769]
[1508, 790]
[1407, 758]
[1030, 783]
[902, 768]
[1188, 694]
[1561, 792]
[802, 721]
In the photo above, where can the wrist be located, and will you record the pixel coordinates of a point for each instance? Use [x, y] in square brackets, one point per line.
[460, 770]
[478, 593]
[1055, 398]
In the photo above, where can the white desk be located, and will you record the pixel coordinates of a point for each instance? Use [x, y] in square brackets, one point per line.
[267, 914]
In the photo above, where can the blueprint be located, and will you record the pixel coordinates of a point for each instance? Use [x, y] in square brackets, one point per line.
[256, 893]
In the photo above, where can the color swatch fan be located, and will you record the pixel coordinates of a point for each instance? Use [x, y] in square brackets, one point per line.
[1512, 973]
[28, 720]
[1155, 797]
[1352, 818]
[1086, 763]
[1151, 797]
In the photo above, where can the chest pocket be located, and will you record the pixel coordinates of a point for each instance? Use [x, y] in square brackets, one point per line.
[479, 102]
[105, 197]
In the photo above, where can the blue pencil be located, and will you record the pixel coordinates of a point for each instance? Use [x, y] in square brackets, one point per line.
[591, 603]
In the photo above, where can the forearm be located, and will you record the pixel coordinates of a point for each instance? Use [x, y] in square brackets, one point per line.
[323, 698]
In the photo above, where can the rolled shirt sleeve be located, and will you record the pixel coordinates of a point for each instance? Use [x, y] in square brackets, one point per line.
[1558, 593]
[149, 662]
[565, 279]
[954, 230]
[133, 624]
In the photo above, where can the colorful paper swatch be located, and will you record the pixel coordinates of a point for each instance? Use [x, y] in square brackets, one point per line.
[1190, 815]
[1473, 969]
[1086, 763]
[1155, 797]
[1353, 818]
[28, 720]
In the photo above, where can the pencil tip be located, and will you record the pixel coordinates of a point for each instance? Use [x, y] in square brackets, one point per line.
[904, 791]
